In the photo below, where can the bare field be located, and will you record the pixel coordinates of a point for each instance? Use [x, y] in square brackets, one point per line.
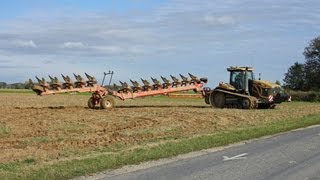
[60, 127]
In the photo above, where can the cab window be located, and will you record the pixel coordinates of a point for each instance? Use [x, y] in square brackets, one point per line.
[237, 79]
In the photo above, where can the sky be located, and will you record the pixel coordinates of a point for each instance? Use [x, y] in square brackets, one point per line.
[143, 38]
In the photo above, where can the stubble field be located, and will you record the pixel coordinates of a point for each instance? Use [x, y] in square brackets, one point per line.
[50, 129]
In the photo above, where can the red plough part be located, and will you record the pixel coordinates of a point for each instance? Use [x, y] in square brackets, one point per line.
[103, 96]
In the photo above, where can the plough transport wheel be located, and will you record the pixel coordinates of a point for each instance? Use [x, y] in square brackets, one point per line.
[107, 102]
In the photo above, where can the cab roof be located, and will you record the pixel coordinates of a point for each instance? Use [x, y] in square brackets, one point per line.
[241, 68]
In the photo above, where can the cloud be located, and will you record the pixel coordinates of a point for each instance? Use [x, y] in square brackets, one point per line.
[25, 43]
[47, 62]
[219, 20]
[74, 45]
[110, 49]
[17, 66]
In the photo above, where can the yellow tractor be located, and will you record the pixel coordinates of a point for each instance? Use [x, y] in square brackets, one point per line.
[244, 92]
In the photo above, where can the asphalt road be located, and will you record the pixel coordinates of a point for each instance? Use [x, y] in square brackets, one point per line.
[292, 155]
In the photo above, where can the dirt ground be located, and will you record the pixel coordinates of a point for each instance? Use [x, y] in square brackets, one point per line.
[61, 126]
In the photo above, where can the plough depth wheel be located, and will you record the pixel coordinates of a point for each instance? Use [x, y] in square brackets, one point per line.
[91, 103]
[107, 102]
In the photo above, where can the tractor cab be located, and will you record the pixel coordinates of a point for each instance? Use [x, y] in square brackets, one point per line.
[241, 78]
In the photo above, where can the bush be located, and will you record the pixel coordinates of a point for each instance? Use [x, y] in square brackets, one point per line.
[309, 96]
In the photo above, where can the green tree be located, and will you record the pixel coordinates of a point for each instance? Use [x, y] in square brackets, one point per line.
[3, 85]
[17, 86]
[27, 84]
[295, 77]
[312, 64]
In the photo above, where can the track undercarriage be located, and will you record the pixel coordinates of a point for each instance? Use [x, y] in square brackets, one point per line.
[225, 99]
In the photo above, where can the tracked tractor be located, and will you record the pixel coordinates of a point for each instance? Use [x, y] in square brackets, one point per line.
[244, 92]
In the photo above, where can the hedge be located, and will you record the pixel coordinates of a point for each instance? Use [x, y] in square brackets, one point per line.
[309, 96]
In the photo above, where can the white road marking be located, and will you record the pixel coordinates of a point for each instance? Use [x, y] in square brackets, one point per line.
[240, 156]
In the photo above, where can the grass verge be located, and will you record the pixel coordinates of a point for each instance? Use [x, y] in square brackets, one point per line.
[73, 168]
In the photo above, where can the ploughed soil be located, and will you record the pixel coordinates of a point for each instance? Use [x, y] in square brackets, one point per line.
[60, 127]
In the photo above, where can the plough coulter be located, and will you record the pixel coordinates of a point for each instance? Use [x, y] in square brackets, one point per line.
[103, 96]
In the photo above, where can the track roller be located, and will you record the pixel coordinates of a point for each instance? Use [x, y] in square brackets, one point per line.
[246, 103]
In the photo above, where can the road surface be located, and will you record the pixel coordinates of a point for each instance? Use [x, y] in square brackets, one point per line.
[292, 155]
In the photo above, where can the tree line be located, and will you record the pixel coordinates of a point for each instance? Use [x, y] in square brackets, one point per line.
[4, 85]
[305, 76]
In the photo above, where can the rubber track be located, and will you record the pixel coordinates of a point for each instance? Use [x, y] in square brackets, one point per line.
[253, 100]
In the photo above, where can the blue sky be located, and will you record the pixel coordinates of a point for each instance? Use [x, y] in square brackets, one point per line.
[143, 38]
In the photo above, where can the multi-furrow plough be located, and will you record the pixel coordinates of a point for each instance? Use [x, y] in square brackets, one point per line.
[103, 95]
